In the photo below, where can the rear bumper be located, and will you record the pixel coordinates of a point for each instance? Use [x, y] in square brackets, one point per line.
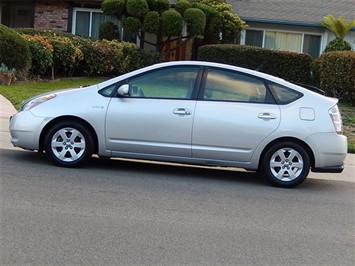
[329, 150]
[330, 169]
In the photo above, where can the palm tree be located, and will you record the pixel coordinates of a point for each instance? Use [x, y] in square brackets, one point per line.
[339, 27]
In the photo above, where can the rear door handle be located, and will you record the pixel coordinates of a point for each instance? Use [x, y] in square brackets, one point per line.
[182, 111]
[266, 116]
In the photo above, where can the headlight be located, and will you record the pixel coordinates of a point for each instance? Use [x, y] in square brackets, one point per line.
[36, 101]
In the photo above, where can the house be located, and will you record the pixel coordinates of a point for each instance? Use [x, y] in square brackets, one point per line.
[81, 17]
[292, 25]
[277, 24]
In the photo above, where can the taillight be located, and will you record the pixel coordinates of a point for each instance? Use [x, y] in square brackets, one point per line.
[336, 118]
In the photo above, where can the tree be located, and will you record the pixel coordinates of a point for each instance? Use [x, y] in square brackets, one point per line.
[212, 19]
[339, 27]
[224, 25]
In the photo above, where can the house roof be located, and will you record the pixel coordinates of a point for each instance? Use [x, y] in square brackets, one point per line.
[292, 12]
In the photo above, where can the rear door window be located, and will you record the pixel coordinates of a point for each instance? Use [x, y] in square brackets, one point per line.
[225, 85]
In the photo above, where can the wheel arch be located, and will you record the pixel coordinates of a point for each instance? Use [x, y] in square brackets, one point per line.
[289, 139]
[71, 119]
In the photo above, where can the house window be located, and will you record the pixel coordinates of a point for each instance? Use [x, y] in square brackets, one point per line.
[87, 21]
[283, 41]
[296, 42]
[311, 45]
[16, 15]
[254, 38]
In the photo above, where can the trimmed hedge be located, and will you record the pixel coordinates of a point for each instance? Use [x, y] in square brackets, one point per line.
[291, 66]
[63, 54]
[14, 51]
[337, 74]
[128, 57]
[42, 54]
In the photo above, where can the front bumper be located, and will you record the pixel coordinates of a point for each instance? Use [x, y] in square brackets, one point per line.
[25, 130]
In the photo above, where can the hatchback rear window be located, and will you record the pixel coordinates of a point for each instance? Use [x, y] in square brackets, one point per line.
[282, 94]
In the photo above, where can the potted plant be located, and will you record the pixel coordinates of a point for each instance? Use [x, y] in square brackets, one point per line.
[6, 74]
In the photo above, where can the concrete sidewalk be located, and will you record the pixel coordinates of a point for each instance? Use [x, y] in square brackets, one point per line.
[6, 110]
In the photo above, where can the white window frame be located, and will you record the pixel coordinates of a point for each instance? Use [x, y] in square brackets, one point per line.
[81, 9]
[242, 41]
[91, 11]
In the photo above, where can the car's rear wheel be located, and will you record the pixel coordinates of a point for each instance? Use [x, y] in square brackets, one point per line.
[69, 144]
[286, 164]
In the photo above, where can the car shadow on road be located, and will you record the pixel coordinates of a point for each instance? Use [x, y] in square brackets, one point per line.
[171, 170]
[146, 169]
[143, 168]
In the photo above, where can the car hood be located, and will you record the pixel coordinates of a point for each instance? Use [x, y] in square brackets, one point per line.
[57, 92]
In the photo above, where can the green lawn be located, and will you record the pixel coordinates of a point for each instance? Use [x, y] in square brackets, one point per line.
[19, 91]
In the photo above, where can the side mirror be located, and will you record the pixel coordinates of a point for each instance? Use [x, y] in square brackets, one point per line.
[123, 90]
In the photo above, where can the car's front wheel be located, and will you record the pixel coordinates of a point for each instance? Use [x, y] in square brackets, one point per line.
[285, 164]
[69, 144]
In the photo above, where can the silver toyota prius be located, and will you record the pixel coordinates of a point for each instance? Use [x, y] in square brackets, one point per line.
[189, 112]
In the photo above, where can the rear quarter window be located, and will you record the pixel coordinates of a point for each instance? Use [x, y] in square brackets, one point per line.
[283, 94]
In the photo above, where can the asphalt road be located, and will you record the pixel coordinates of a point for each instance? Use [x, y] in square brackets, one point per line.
[118, 212]
[132, 213]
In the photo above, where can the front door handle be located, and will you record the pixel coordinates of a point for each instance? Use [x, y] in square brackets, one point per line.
[267, 116]
[181, 111]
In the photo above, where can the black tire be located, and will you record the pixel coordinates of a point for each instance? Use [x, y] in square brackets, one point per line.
[69, 144]
[285, 164]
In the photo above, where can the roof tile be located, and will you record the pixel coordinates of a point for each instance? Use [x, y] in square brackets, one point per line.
[305, 11]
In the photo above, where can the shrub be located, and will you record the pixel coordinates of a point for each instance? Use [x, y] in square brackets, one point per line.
[182, 5]
[338, 45]
[152, 22]
[47, 33]
[196, 21]
[14, 51]
[161, 5]
[291, 66]
[98, 58]
[315, 71]
[131, 24]
[66, 56]
[172, 23]
[42, 54]
[114, 8]
[108, 30]
[337, 74]
[79, 55]
[209, 11]
[137, 8]
[129, 57]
